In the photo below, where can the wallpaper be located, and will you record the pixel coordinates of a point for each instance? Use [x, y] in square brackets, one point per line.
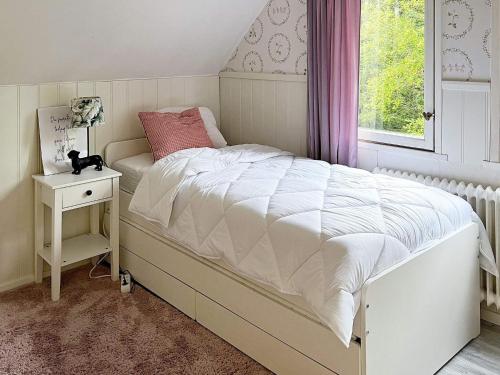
[466, 40]
[276, 42]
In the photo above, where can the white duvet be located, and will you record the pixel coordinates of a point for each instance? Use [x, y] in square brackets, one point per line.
[304, 227]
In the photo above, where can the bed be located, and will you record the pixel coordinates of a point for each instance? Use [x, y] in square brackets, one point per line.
[427, 303]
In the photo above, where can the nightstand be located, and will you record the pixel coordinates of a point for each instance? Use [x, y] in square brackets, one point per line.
[64, 192]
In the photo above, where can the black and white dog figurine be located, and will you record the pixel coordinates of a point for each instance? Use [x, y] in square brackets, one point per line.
[81, 163]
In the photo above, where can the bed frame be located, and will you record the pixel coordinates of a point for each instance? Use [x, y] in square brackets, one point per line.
[414, 316]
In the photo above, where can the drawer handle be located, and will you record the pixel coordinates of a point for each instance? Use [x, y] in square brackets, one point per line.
[88, 192]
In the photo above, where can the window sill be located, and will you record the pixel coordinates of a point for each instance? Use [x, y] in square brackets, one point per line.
[428, 154]
[395, 139]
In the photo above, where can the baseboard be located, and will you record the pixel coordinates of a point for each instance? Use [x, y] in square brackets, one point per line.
[16, 283]
[490, 316]
[25, 280]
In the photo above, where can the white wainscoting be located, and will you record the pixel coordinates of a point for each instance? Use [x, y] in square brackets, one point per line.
[20, 159]
[466, 121]
[267, 109]
[272, 109]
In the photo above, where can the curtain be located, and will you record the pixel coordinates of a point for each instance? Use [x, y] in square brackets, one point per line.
[333, 80]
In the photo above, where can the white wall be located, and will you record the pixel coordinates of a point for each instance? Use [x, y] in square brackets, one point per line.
[123, 99]
[70, 40]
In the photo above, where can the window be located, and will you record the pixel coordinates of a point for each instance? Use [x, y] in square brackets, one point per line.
[397, 72]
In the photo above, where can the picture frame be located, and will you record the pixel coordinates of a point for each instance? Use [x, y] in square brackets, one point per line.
[57, 138]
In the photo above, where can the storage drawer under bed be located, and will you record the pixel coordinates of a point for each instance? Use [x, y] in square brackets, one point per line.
[254, 307]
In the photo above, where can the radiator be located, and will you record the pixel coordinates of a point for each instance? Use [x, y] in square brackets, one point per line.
[486, 203]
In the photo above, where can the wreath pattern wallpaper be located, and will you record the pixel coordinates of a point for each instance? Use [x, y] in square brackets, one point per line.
[277, 40]
[466, 26]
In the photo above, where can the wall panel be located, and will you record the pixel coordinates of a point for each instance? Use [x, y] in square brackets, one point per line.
[119, 109]
[67, 91]
[290, 108]
[104, 134]
[19, 142]
[466, 121]
[178, 91]
[245, 104]
[232, 95]
[164, 92]
[29, 164]
[9, 165]
[266, 109]
[49, 95]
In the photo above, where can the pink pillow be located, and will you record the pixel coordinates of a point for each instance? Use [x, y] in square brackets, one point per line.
[171, 132]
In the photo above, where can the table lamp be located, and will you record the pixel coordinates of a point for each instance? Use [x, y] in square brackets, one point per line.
[87, 112]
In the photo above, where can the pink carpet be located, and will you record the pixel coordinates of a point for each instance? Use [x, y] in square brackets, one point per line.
[94, 329]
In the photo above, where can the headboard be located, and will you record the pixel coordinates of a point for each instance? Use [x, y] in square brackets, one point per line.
[120, 150]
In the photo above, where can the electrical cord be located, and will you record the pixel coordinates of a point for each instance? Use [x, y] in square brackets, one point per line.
[95, 266]
[106, 234]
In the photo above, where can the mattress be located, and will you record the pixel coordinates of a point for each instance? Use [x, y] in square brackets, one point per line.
[132, 170]
[301, 226]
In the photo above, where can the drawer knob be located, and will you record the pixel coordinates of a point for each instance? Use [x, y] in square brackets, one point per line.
[88, 192]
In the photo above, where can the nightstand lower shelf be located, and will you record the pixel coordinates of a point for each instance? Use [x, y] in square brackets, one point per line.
[78, 248]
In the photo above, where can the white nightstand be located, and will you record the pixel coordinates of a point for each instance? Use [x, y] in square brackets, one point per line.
[65, 192]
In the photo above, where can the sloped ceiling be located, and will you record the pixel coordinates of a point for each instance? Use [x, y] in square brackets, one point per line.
[69, 40]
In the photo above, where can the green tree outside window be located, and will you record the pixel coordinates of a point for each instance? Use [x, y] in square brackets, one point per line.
[392, 66]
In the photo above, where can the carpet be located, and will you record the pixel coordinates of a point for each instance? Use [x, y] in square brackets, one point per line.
[94, 329]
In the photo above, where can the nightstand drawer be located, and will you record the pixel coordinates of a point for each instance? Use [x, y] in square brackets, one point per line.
[87, 193]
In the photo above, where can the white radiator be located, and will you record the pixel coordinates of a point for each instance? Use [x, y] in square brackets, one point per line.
[486, 203]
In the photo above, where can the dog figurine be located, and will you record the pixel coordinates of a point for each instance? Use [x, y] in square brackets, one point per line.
[81, 163]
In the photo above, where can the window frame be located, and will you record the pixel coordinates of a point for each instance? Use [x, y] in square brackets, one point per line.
[411, 141]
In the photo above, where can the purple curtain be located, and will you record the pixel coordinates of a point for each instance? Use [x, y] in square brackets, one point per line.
[333, 80]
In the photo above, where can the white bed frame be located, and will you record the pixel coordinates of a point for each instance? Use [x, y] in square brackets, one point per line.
[414, 316]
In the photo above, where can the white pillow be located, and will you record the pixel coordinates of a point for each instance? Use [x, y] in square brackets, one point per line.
[208, 119]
